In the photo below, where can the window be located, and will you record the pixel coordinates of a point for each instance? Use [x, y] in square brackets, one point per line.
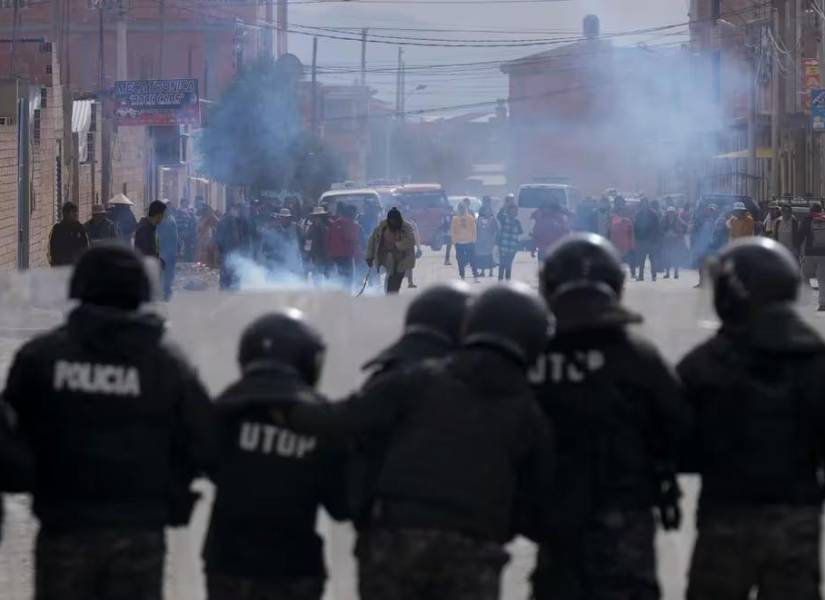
[541, 197]
[421, 200]
[36, 127]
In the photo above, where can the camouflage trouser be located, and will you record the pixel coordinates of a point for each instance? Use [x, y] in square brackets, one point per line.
[106, 564]
[408, 564]
[612, 559]
[227, 587]
[774, 550]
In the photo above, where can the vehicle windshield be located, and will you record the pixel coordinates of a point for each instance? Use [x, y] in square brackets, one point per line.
[541, 197]
[354, 199]
[419, 200]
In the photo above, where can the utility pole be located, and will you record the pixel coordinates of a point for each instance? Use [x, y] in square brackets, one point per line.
[364, 57]
[269, 47]
[122, 41]
[775, 108]
[162, 36]
[753, 117]
[314, 89]
[283, 46]
[403, 91]
[393, 122]
[100, 48]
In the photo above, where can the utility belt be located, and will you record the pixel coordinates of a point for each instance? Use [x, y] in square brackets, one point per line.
[412, 514]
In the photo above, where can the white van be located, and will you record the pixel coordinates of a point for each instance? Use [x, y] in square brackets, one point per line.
[356, 197]
[533, 196]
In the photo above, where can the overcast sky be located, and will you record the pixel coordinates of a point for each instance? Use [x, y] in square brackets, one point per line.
[541, 20]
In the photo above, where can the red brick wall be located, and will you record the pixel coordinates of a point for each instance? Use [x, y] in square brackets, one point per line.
[8, 198]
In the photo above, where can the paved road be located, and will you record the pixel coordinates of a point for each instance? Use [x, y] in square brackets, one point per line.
[207, 324]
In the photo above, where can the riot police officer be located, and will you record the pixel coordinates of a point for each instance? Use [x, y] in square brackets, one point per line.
[756, 390]
[462, 434]
[616, 409]
[119, 424]
[271, 481]
[432, 330]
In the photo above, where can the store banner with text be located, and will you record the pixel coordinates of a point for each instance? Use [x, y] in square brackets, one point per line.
[157, 102]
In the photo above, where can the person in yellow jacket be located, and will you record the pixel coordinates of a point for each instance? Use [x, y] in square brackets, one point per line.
[741, 223]
[463, 233]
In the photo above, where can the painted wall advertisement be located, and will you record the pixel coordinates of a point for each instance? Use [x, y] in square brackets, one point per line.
[818, 110]
[157, 102]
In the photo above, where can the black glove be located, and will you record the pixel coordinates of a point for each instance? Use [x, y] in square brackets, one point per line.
[369, 263]
[670, 514]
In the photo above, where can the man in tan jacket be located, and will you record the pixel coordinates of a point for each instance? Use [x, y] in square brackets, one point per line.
[392, 246]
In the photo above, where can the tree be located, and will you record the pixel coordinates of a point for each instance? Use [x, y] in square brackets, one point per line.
[256, 136]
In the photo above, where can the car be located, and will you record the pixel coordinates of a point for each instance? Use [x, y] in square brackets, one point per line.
[427, 205]
[356, 197]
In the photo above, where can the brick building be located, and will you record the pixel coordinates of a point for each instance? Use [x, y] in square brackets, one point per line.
[761, 60]
[602, 116]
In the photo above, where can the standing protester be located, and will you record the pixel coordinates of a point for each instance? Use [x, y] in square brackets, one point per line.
[621, 234]
[119, 425]
[646, 229]
[769, 223]
[207, 225]
[463, 234]
[446, 227]
[316, 260]
[604, 217]
[740, 223]
[281, 245]
[168, 247]
[187, 231]
[146, 234]
[786, 230]
[99, 228]
[232, 240]
[550, 224]
[486, 237]
[445, 497]
[813, 242]
[418, 254]
[392, 247]
[674, 230]
[120, 213]
[509, 241]
[68, 238]
[271, 481]
[756, 392]
[618, 415]
[343, 244]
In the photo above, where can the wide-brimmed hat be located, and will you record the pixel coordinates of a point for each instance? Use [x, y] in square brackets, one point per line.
[739, 206]
[319, 211]
[121, 199]
[98, 209]
[284, 212]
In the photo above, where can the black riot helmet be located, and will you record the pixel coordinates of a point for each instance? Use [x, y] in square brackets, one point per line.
[511, 319]
[582, 261]
[111, 274]
[751, 273]
[439, 311]
[287, 339]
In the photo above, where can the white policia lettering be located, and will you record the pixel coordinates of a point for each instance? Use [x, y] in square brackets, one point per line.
[563, 369]
[257, 437]
[96, 379]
